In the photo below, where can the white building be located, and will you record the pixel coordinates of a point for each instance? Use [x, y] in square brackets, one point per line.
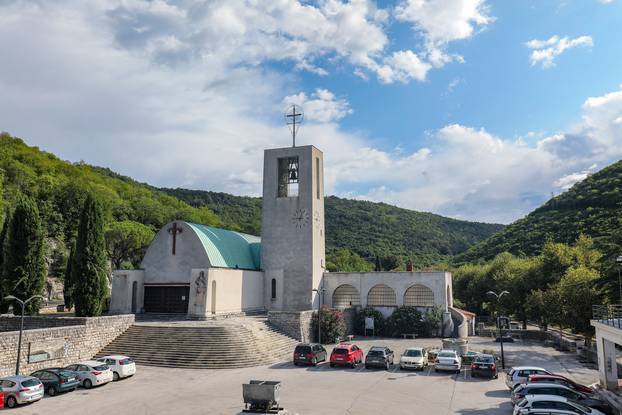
[203, 271]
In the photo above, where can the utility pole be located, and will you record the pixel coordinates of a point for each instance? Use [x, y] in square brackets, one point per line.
[498, 297]
[21, 325]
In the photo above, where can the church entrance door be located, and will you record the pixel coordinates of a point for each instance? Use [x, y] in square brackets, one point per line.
[166, 298]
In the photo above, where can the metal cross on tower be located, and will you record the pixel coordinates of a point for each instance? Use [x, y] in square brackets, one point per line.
[293, 119]
[174, 230]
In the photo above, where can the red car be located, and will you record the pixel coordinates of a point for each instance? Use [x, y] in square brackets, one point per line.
[346, 354]
[561, 380]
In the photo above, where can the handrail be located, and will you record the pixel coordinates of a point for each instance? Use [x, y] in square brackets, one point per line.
[609, 314]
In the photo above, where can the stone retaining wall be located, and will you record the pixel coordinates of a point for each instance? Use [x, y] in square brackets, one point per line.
[66, 339]
[11, 323]
[296, 324]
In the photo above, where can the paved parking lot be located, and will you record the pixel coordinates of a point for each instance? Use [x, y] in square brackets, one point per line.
[315, 390]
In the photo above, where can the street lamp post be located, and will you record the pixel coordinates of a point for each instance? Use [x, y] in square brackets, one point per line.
[498, 296]
[320, 293]
[21, 325]
[619, 263]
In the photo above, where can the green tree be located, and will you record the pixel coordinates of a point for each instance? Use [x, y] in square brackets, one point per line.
[406, 319]
[4, 305]
[127, 241]
[23, 266]
[578, 287]
[90, 265]
[344, 260]
[68, 279]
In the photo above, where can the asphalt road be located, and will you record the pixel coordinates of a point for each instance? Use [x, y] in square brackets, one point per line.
[314, 390]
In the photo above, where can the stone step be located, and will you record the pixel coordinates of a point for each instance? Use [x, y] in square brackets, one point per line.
[237, 343]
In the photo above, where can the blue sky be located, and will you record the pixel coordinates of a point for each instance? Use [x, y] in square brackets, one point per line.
[474, 109]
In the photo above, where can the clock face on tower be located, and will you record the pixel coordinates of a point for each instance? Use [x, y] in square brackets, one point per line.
[300, 219]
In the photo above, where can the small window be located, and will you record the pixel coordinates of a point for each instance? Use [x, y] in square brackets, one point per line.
[317, 177]
[273, 289]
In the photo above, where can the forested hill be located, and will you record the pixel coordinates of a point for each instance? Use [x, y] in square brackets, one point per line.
[592, 207]
[366, 228]
[59, 189]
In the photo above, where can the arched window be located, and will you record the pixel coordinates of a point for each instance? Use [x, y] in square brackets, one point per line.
[346, 296]
[419, 295]
[273, 289]
[381, 296]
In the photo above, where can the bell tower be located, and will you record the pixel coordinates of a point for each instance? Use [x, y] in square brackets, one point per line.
[292, 227]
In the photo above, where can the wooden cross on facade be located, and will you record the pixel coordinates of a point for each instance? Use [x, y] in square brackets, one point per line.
[174, 230]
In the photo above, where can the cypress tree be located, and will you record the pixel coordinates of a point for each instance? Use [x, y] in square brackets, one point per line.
[90, 265]
[68, 281]
[23, 263]
[4, 306]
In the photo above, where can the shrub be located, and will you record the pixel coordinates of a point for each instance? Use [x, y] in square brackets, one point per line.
[406, 319]
[333, 324]
[433, 319]
[379, 321]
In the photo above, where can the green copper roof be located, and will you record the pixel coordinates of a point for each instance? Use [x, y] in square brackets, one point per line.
[229, 249]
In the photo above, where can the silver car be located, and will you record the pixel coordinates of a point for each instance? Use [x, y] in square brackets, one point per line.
[520, 374]
[20, 389]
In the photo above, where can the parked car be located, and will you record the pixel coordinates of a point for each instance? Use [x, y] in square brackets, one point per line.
[121, 366]
[91, 373]
[558, 390]
[448, 360]
[468, 357]
[379, 357]
[484, 365]
[414, 358]
[20, 389]
[57, 380]
[506, 338]
[346, 354]
[311, 354]
[553, 405]
[519, 375]
[562, 380]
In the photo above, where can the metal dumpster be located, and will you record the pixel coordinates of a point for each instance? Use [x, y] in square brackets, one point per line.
[262, 395]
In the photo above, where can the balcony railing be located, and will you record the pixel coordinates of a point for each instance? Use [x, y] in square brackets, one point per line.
[610, 314]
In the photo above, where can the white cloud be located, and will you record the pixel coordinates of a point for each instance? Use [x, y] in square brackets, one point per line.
[545, 51]
[321, 107]
[442, 22]
[158, 93]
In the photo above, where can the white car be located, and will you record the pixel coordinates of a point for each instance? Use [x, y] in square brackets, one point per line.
[520, 374]
[414, 358]
[20, 389]
[91, 373]
[553, 405]
[448, 360]
[121, 366]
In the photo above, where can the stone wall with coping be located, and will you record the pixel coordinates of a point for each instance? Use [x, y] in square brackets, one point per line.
[296, 324]
[79, 339]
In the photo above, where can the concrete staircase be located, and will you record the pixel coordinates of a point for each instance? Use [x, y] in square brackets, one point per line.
[221, 344]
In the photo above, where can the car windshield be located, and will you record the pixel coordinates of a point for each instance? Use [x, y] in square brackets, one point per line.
[377, 353]
[413, 353]
[485, 359]
[340, 351]
[446, 354]
[303, 349]
[30, 382]
[101, 367]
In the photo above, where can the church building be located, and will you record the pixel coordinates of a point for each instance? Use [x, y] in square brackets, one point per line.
[203, 271]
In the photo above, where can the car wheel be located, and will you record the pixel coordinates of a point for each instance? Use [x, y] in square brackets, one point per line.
[435, 369]
[366, 367]
[115, 376]
[473, 375]
[52, 391]
[87, 384]
[295, 363]
[332, 365]
[11, 402]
